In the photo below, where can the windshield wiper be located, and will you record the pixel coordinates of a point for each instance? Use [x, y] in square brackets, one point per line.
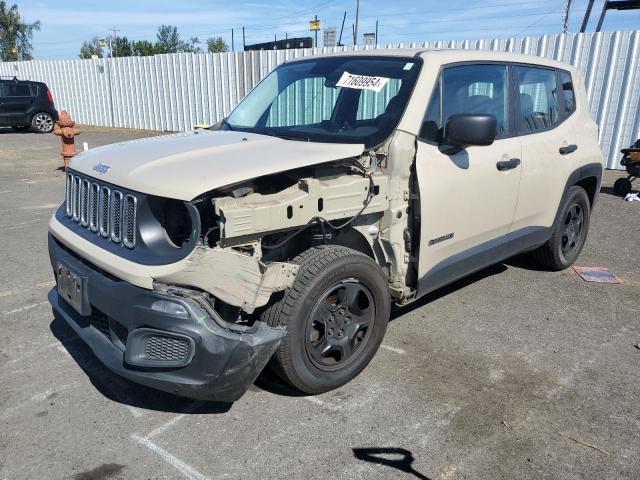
[220, 124]
[283, 136]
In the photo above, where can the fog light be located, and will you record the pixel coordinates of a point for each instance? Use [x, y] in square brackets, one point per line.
[170, 308]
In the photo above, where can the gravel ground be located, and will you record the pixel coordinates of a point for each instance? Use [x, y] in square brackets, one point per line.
[512, 373]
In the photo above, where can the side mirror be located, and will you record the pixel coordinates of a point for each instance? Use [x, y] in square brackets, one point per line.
[464, 130]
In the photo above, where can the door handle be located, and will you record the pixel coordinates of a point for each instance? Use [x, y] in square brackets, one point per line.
[508, 164]
[568, 149]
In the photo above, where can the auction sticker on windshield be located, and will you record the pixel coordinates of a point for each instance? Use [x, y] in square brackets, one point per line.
[362, 82]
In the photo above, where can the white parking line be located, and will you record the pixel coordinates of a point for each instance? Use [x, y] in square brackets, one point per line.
[394, 349]
[28, 307]
[187, 470]
[36, 398]
[28, 222]
[8, 293]
[135, 412]
[64, 350]
[323, 404]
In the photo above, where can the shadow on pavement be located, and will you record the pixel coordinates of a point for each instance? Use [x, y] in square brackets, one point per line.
[4, 130]
[120, 389]
[398, 458]
[272, 383]
[448, 289]
[611, 191]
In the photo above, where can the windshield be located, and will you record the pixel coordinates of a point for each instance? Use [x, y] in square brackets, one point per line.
[332, 99]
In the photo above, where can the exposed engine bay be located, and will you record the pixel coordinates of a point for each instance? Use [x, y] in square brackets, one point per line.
[251, 232]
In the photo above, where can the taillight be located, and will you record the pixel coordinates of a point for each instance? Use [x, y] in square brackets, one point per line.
[49, 96]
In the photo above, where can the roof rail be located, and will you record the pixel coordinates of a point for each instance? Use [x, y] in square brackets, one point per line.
[10, 77]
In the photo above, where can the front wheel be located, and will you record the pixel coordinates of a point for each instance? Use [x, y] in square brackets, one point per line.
[42, 122]
[569, 232]
[335, 313]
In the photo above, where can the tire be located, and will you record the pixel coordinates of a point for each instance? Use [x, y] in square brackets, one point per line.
[622, 186]
[335, 313]
[21, 128]
[42, 122]
[569, 232]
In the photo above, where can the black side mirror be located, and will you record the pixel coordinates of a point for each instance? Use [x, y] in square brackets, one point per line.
[464, 130]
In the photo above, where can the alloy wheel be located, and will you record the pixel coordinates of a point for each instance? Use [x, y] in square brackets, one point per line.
[572, 231]
[340, 324]
[43, 122]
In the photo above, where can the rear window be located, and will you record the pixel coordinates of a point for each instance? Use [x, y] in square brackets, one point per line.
[538, 98]
[568, 96]
[11, 90]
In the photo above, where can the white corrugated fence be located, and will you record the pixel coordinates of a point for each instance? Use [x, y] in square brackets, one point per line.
[174, 92]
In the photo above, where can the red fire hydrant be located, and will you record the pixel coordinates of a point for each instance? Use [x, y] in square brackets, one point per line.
[67, 132]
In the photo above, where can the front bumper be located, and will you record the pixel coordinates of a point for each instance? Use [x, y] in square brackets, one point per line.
[192, 355]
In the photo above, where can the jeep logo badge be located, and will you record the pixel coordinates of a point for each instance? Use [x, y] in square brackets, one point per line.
[101, 167]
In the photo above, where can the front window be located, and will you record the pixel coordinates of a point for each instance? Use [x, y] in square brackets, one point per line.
[331, 99]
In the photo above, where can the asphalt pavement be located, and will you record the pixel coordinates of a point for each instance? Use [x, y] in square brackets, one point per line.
[512, 373]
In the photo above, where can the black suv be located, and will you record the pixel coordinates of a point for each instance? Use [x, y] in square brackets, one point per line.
[25, 105]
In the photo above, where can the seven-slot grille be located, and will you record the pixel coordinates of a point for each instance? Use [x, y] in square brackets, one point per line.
[111, 213]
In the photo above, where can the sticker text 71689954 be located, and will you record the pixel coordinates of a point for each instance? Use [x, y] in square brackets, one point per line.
[362, 82]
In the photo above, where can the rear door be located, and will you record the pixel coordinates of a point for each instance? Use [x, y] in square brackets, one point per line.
[17, 102]
[547, 130]
[467, 201]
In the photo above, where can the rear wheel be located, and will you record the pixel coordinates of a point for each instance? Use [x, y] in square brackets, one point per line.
[569, 232]
[336, 314]
[42, 122]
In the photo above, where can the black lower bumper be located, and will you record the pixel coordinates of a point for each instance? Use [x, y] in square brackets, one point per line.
[191, 354]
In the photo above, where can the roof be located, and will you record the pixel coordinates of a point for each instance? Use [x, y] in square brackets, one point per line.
[447, 55]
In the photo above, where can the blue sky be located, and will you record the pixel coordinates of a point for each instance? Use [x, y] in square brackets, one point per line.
[65, 24]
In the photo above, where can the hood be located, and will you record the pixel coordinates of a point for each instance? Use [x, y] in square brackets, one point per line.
[185, 165]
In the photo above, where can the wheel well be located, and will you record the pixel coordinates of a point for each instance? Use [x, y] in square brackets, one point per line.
[590, 185]
[353, 239]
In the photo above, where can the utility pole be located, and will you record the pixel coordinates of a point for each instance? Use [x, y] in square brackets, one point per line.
[341, 29]
[243, 42]
[233, 48]
[587, 14]
[316, 32]
[565, 16]
[114, 34]
[355, 29]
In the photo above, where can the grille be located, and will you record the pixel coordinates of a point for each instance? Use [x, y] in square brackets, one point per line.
[116, 216]
[130, 207]
[166, 348]
[101, 322]
[110, 213]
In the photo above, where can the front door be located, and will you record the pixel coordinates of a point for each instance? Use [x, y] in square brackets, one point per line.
[467, 200]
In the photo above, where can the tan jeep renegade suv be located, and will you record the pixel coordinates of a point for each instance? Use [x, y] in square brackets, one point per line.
[340, 186]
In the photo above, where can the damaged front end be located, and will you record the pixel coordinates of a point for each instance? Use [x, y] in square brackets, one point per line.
[193, 326]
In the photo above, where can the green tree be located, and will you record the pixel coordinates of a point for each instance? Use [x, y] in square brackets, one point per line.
[91, 48]
[143, 48]
[192, 46]
[169, 41]
[217, 45]
[121, 47]
[15, 34]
